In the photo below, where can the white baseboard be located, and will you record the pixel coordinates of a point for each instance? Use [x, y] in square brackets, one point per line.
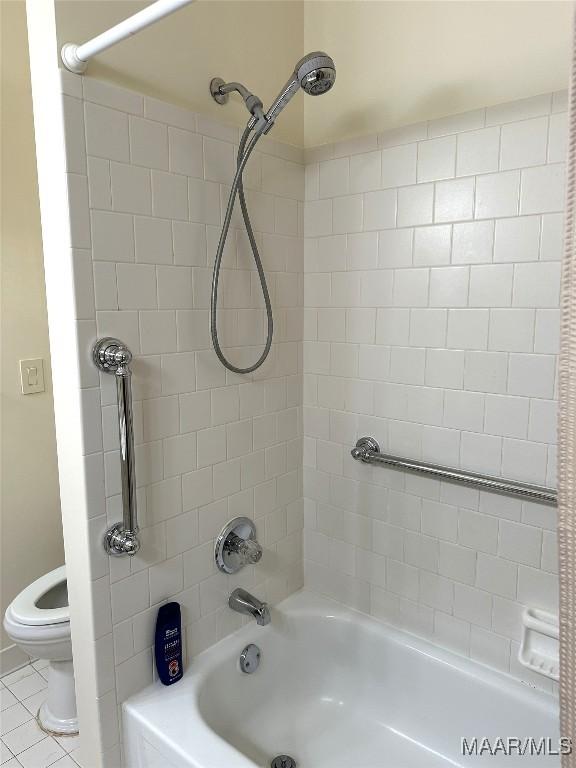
[12, 658]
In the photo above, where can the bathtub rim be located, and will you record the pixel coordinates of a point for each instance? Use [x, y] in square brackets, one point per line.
[144, 705]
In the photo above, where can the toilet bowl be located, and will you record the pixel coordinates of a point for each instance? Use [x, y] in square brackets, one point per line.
[38, 620]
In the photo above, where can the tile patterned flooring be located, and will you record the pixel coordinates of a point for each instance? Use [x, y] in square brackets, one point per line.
[22, 743]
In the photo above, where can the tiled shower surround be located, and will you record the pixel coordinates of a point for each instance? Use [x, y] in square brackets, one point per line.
[432, 262]
[415, 298]
[148, 183]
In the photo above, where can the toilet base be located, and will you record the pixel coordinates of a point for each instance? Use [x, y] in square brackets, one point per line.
[55, 726]
[57, 715]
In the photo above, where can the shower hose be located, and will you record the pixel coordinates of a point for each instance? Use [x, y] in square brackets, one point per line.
[244, 152]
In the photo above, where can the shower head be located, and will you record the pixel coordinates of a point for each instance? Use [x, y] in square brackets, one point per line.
[315, 74]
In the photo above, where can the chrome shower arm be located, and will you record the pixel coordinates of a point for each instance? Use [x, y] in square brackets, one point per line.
[112, 356]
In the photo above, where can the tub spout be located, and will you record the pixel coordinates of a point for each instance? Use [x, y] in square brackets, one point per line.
[243, 602]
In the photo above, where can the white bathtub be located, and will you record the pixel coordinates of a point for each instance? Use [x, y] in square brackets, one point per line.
[335, 689]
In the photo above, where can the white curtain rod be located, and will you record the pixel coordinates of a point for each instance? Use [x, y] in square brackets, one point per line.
[75, 57]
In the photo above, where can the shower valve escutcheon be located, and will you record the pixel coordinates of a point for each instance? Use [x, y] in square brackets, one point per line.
[236, 546]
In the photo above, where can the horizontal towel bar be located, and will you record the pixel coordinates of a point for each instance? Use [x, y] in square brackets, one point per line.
[367, 450]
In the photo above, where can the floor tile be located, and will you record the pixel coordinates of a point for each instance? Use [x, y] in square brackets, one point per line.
[42, 754]
[24, 736]
[64, 762]
[76, 757]
[28, 686]
[12, 764]
[18, 674]
[7, 699]
[68, 743]
[12, 718]
[33, 703]
[40, 664]
[5, 753]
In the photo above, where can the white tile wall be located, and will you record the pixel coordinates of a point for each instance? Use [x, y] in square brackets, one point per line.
[420, 307]
[431, 323]
[210, 445]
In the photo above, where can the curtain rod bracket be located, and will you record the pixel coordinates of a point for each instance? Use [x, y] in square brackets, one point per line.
[71, 60]
[75, 57]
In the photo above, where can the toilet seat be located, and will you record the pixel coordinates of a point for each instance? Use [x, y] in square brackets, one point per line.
[24, 609]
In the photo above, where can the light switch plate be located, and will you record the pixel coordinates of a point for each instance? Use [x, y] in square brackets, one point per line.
[32, 376]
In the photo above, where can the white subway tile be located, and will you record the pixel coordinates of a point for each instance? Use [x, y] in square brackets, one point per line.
[317, 218]
[524, 461]
[472, 605]
[395, 248]
[449, 286]
[507, 416]
[524, 143]
[497, 194]
[153, 240]
[478, 152]
[185, 153]
[411, 287]
[552, 241]
[334, 177]
[468, 328]
[511, 330]
[472, 242]
[458, 563]
[464, 121]
[112, 236]
[379, 209]
[169, 195]
[130, 188]
[454, 200]
[490, 285]
[437, 159]
[347, 214]
[496, 575]
[399, 166]
[219, 164]
[517, 239]
[432, 245]
[415, 205]
[136, 286]
[536, 285]
[464, 410]
[365, 172]
[486, 372]
[106, 132]
[428, 327]
[523, 109]
[543, 189]
[558, 138]
[148, 143]
[531, 375]
[204, 201]
[403, 135]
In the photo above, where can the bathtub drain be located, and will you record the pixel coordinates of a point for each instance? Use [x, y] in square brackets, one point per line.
[283, 761]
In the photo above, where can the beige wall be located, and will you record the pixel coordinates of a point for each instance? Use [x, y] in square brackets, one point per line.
[31, 530]
[398, 62]
[257, 43]
[402, 62]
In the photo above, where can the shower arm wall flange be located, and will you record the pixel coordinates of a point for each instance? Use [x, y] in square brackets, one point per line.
[113, 357]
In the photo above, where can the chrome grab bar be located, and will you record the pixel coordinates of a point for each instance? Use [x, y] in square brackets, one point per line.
[367, 450]
[112, 356]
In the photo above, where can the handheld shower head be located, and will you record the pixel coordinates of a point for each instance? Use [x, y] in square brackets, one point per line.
[315, 74]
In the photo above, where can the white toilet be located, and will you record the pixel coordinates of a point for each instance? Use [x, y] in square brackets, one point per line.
[38, 620]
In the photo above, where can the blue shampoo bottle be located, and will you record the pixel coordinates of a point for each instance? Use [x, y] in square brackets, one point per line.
[168, 644]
